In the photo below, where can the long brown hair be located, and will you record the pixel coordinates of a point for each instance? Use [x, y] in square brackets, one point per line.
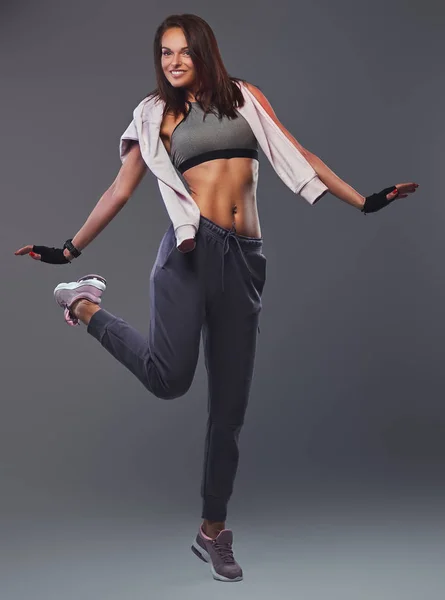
[217, 91]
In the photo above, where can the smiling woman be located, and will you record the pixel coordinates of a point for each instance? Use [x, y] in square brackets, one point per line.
[210, 270]
[177, 63]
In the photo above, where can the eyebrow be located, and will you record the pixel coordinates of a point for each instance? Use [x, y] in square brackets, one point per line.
[167, 48]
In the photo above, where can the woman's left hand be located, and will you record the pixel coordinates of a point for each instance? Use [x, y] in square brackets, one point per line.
[403, 190]
[376, 202]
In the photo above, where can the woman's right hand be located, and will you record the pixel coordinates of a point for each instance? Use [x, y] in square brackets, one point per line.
[55, 256]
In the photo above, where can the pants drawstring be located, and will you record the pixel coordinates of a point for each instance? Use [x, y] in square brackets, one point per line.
[226, 246]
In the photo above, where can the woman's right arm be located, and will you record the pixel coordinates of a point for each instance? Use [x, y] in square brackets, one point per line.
[112, 201]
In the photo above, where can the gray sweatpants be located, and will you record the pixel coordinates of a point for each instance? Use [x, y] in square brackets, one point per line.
[215, 289]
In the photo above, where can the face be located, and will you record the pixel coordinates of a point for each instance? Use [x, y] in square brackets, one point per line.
[176, 57]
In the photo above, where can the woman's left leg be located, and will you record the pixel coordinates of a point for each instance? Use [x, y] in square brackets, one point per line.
[236, 271]
[230, 336]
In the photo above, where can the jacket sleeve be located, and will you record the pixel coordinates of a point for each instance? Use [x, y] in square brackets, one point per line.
[286, 159]
[129, 136]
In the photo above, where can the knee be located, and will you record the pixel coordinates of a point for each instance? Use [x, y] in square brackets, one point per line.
[167, 383]
[167, 394]
[169, 390]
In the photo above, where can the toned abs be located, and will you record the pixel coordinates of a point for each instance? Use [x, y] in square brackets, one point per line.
[224, 189]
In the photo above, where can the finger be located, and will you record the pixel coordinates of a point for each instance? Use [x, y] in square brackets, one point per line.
[408, 186]
[35, 256]
[392, 195]
[24, 250]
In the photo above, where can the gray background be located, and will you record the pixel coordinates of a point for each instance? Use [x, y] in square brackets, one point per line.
[340, 489]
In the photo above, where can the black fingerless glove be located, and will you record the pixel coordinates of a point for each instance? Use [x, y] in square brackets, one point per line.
[375, 202]
[55, 255]
[51, 255]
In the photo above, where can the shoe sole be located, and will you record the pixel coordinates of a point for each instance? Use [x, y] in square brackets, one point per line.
[74, 285]
[205, 556]
[93, 276]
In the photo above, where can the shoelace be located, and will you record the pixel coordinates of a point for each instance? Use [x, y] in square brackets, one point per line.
[224, 551]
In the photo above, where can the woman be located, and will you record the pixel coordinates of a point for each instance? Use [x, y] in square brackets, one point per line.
[199, 133]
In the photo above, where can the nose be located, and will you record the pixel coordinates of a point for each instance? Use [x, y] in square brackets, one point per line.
[176, 61]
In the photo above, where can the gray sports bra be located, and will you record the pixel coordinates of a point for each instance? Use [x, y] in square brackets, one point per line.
[195, 140]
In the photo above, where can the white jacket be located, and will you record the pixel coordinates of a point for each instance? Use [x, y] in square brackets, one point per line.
[288, 162]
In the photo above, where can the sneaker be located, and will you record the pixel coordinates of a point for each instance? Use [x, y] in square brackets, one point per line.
[219, 554]
[89, 287]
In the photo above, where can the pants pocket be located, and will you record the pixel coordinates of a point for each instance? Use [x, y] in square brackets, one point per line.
[166, 249]
[169, 255]
[256, 262]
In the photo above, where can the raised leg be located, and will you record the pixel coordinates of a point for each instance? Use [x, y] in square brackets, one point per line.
[165, 360]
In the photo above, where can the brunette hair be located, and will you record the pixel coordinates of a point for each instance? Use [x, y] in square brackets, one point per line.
[216, 89]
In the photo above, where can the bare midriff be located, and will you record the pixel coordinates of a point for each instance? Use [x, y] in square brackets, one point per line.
[224, 189]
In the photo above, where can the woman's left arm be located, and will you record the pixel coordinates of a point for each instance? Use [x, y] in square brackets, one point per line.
[336, 186]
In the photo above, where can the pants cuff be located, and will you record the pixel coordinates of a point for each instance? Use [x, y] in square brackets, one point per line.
[99, 322]
[214, 509]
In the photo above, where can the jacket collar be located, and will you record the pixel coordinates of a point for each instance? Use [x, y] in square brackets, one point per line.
[151, 110]
[148, 120]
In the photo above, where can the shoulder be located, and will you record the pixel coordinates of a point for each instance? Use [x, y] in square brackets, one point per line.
[149, 108]
[252, 88]
[265, 104]
[258, 94]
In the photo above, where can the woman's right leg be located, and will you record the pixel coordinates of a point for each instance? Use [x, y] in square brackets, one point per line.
[165, 361]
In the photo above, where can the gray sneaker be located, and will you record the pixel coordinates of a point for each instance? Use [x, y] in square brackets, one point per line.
[219, 554]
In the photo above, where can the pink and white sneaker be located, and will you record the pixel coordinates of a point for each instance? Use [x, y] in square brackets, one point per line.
[89, 287]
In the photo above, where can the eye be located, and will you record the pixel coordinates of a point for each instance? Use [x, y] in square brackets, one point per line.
[167, 52]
